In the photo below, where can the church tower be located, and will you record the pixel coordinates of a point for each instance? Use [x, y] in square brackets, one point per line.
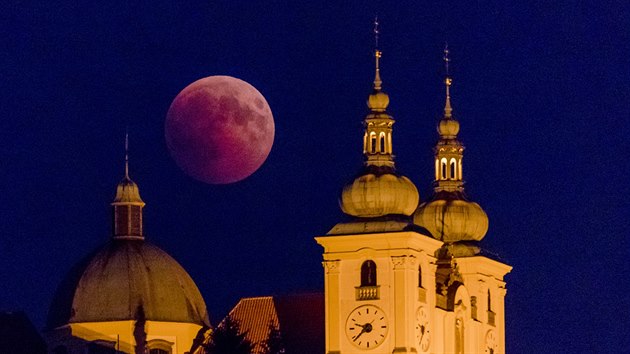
[399, 280]
[379, 267]
[469, 312]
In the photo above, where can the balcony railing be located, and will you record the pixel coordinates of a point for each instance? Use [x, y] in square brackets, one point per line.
[368, 292]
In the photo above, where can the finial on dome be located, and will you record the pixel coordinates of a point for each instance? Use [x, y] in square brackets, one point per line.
[447, 82]
[127, 190]
[377, 56]
[127, 153]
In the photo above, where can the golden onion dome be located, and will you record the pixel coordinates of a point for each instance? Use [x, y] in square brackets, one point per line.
[127, 191]
[378, 101]
[448, 128]
[373, 195]
[451, 218]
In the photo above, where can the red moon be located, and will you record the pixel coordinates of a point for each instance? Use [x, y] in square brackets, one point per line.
[219, 129]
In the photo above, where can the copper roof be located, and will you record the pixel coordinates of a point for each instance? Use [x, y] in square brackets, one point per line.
[111, 283]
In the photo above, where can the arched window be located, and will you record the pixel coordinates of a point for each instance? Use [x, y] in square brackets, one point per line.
[452, 168]
[443, 169]
[382, 140]
[368, 273]
[158, 351]
[459, 169]
[365, 141]
[389, 142]
[373, 143]
[159, 346]
[437, 169]
[419, 277]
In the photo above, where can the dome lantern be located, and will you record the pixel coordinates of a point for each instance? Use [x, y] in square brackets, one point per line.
[449, 215]
[127, 205]
[378, 190]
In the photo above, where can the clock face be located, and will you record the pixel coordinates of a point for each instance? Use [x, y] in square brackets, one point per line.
[491, 342]
[367, 327]
[423, 331]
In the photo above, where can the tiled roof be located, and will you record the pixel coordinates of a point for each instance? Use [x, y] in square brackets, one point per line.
[300, 319]
[255, 315]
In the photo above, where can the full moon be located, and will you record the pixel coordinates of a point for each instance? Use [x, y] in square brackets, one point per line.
[219, 129]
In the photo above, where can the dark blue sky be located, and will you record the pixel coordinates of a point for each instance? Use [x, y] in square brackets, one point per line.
[540, 89]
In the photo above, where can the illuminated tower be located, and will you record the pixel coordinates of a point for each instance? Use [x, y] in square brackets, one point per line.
[379, 267]
[129, 296]
[470, 291]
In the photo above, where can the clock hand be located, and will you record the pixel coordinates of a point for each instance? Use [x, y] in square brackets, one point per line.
[359, 335]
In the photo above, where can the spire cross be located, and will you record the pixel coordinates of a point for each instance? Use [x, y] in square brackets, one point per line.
[377, 56]
[127, 154]
[447, 81]
[376, 32]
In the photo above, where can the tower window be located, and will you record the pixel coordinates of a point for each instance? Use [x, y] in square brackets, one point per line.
[459, 170]
[382, 139]
[443, 176]
[437, 169]
[368, 273]
[453, 169]
[419, 277]
[373, 143]
[121, 220]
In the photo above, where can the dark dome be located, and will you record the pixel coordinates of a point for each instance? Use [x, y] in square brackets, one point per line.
[113, 282]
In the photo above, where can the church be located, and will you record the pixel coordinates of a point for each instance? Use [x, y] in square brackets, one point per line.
[402, 276]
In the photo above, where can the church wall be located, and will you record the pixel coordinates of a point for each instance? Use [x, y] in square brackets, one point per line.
[76, 337]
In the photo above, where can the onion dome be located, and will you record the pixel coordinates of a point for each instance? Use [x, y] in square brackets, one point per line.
[378, 190]
[449, 216]
[374, 194]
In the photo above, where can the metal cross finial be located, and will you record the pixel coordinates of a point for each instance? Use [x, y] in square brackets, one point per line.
[446, 58]
[447, 82]
[376, 32]
[127, 153]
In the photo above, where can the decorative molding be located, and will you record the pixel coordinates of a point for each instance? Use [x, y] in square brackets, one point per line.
[400, 262]
[331, 266]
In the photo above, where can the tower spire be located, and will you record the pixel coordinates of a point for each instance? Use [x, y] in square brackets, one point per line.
[127, 153]
[377, 57]
[448, 110]
[450, 216]
[377, 140]
[127, 205]
[379, 191]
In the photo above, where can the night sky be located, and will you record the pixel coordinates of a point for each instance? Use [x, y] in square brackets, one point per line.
[541, 91]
